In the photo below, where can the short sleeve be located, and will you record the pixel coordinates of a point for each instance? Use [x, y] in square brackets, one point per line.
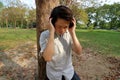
[43, 41]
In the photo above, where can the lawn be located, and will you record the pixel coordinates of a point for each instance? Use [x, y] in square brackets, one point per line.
[10, 38]
[102, 41]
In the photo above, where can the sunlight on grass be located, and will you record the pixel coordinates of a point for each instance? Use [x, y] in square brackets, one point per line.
[102, 41]
[9, 38]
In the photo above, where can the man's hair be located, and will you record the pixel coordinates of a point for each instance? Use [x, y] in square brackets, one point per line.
[62, 12]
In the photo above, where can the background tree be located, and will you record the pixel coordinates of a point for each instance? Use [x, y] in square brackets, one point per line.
[31, 18]
[104, 17]
[1, 7]
[43, 9]
[17, 14]
[78, 11]
[12, 13]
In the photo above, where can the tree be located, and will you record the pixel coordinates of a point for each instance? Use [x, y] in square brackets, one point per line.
[13, 19]
[31, 18]
[66, 2]
[43, 9]
[106, 16]
[79, 13]
[1, 5]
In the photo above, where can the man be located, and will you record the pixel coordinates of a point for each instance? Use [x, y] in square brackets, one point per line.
[57, 44]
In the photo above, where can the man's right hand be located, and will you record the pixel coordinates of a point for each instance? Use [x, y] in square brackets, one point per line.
[51, 27]
[49, 50]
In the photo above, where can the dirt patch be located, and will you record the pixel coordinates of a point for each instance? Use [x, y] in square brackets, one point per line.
[94, 66]
[115, 68]
[20, 63]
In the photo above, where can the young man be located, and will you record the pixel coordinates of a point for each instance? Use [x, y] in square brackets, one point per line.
[57, 44]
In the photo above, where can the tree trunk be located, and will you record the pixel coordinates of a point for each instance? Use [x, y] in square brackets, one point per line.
[15, 23]
[43, 9]
[21, 26]
[6, 23]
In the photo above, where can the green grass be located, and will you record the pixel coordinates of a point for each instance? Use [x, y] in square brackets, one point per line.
[10, 38]
[102, 41]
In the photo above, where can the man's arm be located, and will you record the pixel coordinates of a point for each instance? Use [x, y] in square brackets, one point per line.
[49, 50]
[76, 46]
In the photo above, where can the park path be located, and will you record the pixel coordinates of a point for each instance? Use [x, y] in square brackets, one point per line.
[20, 63]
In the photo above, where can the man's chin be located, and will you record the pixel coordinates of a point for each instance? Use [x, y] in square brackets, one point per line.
[60, 33]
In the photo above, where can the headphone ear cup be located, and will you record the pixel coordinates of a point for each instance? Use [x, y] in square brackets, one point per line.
[71, 24]
[53, 21]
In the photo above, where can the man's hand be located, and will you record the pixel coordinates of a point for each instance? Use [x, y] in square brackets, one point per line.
[72, 29]
[51, 27]
[76, 46]
[49, 50]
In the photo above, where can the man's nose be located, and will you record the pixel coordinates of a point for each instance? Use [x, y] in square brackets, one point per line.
[62, 29]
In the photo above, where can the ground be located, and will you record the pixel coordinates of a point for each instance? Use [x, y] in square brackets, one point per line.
[20, 63]
[93, 66]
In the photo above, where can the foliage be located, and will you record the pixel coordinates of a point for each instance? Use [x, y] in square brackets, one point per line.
[17, 14]
[1, 5]
[79, 13]
[104, 17]
[78, 10]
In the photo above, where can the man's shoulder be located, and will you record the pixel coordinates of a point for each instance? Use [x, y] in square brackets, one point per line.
[46, 32]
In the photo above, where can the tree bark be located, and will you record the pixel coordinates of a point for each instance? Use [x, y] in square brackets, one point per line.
[6, 23]
[43, 9]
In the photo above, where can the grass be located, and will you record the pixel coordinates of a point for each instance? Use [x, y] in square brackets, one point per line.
[102, 41]
[10, 38]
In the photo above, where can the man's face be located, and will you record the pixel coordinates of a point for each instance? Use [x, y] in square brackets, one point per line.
[61, 26]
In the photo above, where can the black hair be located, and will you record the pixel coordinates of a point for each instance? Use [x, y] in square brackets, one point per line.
[62, 12]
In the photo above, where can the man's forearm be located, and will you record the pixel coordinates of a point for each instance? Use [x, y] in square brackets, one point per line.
[76, 44]
[49, 50]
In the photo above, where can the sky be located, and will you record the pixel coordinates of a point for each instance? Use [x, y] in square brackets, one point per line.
[110, 1]
[31, 3]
